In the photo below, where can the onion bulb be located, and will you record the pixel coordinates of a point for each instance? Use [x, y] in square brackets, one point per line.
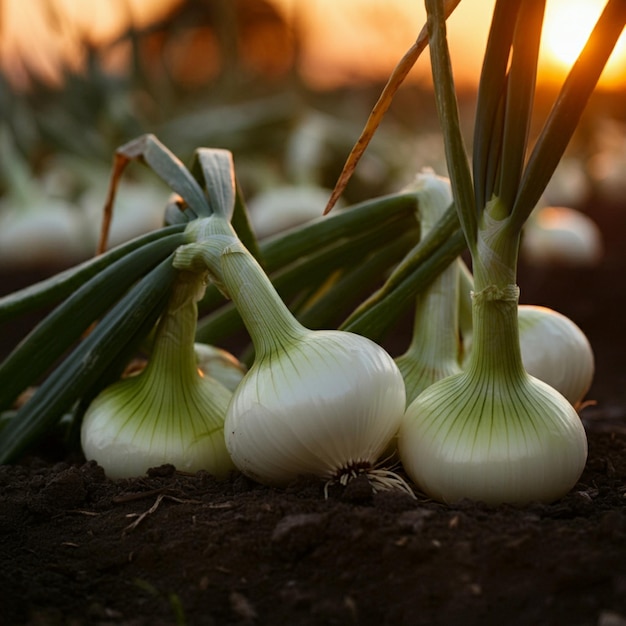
[515, 445]
[555, 350]
[282, 208]
[322, 403]
[493, 432]
[35, 229]
[220, 365]
[556, 235]
[168, 413]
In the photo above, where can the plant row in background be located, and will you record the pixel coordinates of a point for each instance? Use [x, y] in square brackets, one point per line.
[474, 408]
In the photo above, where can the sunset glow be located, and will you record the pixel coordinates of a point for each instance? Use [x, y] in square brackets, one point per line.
[342, 41]
[60, 27]
[567, 26]
[347, 41]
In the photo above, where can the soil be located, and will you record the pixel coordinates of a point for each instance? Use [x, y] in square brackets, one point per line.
[170, 549]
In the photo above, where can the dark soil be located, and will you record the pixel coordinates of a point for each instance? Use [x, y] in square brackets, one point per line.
[78, 549]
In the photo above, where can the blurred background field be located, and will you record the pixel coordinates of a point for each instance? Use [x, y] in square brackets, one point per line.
[285, 84]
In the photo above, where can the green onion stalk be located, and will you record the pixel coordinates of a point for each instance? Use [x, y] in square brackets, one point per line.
[493, 432]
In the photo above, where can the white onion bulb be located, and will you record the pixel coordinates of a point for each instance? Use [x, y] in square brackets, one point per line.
[139, 423]
[281, 208]
[169, 412]
[220, 365]
[513, 444]
[326, 405]
[323, 403]
[493, 432]
[557, 235]
[555, 350]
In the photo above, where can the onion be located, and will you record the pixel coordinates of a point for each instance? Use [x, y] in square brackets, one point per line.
[220, 365]
[281, 208]
[322, 403]
[169, 412]
[555, 350]
[562, 236]
[493, 432]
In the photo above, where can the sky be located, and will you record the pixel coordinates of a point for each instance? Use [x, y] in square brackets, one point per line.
[345, 40]
[347, 37]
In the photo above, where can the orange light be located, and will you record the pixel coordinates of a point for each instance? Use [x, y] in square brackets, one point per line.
[567, 26]
[60, 28]
[359, 39]
[342, 41]
[354, 41]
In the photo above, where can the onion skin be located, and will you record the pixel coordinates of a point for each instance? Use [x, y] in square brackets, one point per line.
[521, 445]
[332, 401]
[493, 433]
[169, 412]
[555, 350]
[322, 403]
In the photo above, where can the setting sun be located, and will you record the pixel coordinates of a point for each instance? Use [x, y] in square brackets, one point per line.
[566, 31]
[567, 26]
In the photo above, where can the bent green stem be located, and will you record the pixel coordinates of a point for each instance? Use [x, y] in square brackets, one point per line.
[268, 319]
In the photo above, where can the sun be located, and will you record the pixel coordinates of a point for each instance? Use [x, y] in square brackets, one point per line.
[567, 26]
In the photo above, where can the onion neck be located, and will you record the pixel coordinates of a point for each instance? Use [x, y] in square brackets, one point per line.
[271, 324]
[436, 319]
[495, 349]
[434, 349]
[173, 350]
[217, 250]
[209, 236]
